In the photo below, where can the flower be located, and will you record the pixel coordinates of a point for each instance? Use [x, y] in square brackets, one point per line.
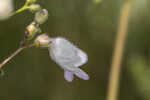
[69, 57]
[6, 8]
[66, 55]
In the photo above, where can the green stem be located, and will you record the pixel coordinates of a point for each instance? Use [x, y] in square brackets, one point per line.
[25, 7]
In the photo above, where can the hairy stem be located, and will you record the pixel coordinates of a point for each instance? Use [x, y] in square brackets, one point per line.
[113, 85]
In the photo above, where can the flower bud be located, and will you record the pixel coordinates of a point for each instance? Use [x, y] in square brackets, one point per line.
[41, 16]
[42, 40]
[31, 30]
[34, 7]
[30, 1]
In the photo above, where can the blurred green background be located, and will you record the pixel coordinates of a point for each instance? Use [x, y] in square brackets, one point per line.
[90, 24]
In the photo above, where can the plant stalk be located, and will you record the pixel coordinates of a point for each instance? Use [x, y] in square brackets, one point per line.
[113, 85]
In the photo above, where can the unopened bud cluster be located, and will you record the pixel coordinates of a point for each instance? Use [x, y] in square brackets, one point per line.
[41, 15]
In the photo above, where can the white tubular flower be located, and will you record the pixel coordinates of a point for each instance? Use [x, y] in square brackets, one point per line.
[65, 54]
[6, 8]
[69, 57]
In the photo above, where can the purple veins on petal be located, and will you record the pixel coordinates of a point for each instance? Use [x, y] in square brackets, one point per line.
[68, 76]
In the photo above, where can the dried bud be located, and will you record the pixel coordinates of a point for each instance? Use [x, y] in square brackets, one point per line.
[41, 16]
[42, 40]
[34, 7]
[31, 30]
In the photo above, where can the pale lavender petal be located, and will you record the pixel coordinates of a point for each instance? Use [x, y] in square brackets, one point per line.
[83, 57]
[68, 75]
[81, 74]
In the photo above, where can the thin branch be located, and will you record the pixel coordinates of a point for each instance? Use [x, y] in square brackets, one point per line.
[23, 8]
[14, 54]
[113, 85]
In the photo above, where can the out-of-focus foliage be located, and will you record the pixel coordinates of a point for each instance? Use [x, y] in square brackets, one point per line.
[90, 24]
[6, 8]
[140, 72]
